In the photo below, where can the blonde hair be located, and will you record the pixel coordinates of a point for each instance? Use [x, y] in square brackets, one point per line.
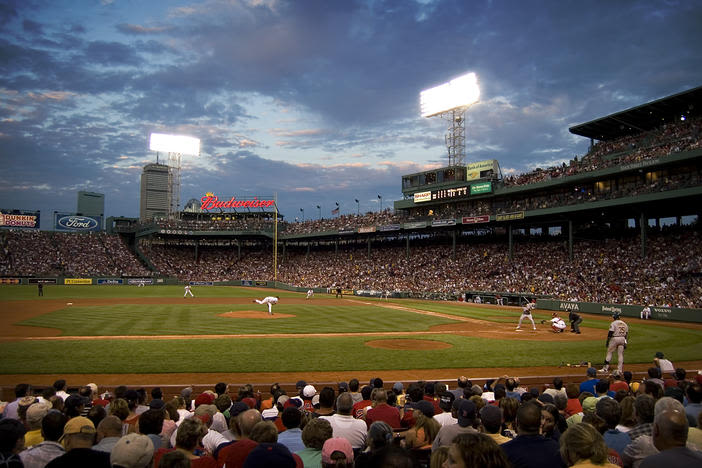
[583, 442]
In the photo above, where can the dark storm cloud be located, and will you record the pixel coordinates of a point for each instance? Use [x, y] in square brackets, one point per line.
[81, 95]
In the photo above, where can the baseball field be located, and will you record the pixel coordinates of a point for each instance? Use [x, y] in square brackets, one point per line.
[154, 335]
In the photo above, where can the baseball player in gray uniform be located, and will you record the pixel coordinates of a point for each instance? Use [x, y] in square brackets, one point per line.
[526, 313]
[616, 340]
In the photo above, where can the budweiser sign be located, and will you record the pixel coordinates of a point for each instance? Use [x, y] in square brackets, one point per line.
[211, 201]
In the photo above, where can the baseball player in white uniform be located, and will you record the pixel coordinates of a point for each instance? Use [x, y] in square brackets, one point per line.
[616, 340]
[310, 294]
[646, 313]
[188, 291]
[269, 300]
[526, 313]
[557, 323]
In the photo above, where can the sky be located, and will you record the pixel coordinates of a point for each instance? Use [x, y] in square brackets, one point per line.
[315, 102]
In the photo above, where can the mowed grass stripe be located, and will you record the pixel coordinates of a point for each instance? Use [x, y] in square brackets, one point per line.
[293, 355]
[205, 319]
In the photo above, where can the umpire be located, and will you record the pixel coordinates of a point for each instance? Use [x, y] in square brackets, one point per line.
[575, 321]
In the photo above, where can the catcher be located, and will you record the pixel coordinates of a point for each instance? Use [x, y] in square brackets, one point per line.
[557, 323]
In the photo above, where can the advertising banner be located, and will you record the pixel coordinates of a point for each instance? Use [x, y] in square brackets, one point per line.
[347, 231]
[10, 281]
[110, 281]
[138, 281]
[77, 281]
[201, 283]
[443, 222]
[389, 227]
[19, 219]
[415, 225]
[261, 283]
[42, 280]
[482, 187]
[246, 283]
[366, 229]
[475, 219]
[477, 170]
[69, 222]
[509, 216]
[422, 197]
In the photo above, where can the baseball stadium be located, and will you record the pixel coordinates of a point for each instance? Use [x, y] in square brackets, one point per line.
[472, 273]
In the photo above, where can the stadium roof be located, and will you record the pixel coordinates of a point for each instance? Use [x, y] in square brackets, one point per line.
[642, 118]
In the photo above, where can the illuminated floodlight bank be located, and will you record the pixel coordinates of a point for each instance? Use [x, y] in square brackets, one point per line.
[174, 144]
[459, 92]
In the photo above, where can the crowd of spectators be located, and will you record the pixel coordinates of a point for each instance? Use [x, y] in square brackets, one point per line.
[610, 421]
[668, 139]
[603, 271]
[38, 253]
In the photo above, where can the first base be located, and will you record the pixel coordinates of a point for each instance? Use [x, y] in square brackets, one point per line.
[69, 303]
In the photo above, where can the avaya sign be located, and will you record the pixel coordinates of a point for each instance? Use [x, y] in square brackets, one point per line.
[211, 202]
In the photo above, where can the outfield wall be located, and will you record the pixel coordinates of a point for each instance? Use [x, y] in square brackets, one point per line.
[677, 314]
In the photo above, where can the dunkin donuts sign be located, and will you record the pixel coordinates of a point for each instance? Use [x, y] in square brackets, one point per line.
[19, 219]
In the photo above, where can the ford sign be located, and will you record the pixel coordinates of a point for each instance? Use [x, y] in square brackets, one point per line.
[77, 223]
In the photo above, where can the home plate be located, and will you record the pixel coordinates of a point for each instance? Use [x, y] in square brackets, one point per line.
[69, 303]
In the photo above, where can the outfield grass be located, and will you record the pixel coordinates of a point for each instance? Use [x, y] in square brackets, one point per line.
[301, 354]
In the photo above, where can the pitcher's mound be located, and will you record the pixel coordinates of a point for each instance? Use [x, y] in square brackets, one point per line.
[254, 314]
[405, 344]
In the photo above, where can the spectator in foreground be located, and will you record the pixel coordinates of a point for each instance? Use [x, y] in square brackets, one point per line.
[315, 433]
[583, 445]
[337, 452]
[11, 442]
[51, 429]
[670, 436]
[108, 433]
[530, 449]
[465, 414]
[343, 423]
[78, 437]
[132, 451]
[476, 450]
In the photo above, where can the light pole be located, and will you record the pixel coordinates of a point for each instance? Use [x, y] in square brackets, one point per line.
[358, 207]
[302, 210]
[320, 211]
[337, 209]
[381, 202]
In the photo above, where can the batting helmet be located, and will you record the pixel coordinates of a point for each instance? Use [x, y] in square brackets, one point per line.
[615, 316]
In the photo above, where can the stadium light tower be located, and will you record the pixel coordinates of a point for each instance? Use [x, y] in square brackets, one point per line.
[450, 101]
[175, 146]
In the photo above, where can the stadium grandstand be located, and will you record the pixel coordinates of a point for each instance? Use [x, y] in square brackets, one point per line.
[605, 227]
[619, 225]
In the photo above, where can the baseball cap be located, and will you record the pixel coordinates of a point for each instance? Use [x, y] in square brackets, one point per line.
[465, 412]
[446, 400]
[282, 399]
[238, 408]
[204, 399]
[591, 371]
[78, 425]
[300, 384]
[157, 403]
[343, 387]
[659, 355]
[270, 454]
[425, 407]
[336, 444]
[589, 404]
[132, 451]
[308, 391]
[398, 387]
[36, 412]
